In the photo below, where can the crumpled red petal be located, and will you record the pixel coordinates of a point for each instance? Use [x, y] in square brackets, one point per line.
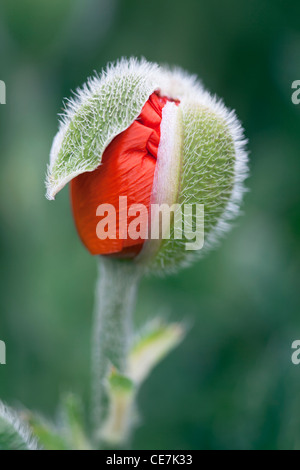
[127, 169]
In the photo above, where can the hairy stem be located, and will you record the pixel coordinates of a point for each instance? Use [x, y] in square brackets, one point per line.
[115, 300]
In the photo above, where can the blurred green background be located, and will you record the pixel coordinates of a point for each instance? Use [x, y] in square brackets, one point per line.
[231, 384]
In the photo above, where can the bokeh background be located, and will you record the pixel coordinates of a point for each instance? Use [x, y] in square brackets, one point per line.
[231, 384]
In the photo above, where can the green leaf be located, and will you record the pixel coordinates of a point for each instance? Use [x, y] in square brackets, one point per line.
[48, 435]
[14, 433]
[69, 434]
[73, 422]
[154, 344]
[121, 392]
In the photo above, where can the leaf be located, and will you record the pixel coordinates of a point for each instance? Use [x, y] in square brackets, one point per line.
[15, 434]
[48, 435]
[121, 391]
[69, 434]
[153, 345]
[73, 423]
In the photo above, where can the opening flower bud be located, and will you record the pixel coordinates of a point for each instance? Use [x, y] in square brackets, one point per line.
[127, 170]
[136, 139]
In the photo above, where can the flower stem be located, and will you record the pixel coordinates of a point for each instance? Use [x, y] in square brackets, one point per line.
[115, 300]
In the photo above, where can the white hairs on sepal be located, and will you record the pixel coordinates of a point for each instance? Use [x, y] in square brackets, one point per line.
[214, 164]
[103, 108]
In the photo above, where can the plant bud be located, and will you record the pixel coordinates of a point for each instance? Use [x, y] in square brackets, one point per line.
[141, 138]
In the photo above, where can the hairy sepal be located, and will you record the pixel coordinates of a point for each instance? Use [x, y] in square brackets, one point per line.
[214, 166]
[102, 109]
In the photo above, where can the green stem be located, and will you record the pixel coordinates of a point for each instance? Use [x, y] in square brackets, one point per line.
[115, 300]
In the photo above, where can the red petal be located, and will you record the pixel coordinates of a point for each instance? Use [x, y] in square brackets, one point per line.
[127, 169]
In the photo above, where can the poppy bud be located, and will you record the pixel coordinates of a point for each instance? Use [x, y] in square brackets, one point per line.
[149, 136]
